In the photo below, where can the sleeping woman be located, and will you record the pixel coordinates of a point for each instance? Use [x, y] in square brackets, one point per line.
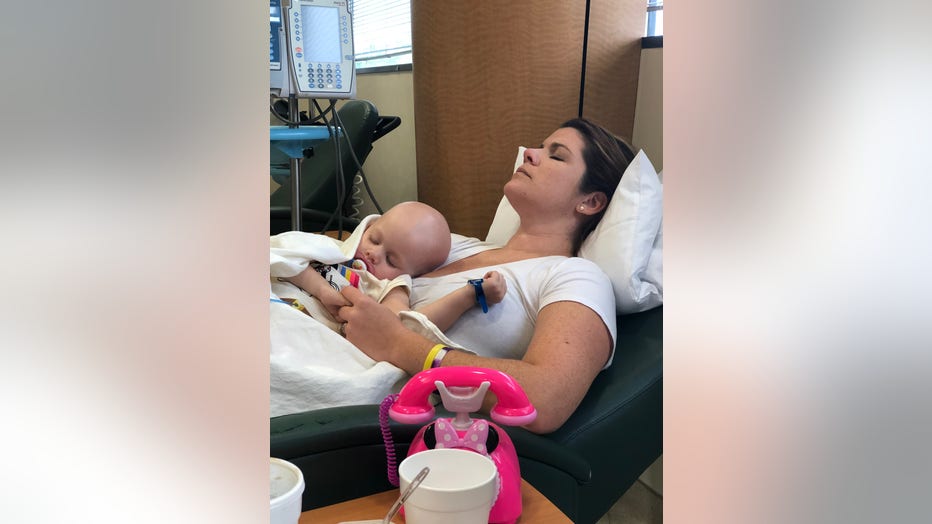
[555, 328]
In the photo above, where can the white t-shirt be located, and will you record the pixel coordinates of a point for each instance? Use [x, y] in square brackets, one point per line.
[506, 330]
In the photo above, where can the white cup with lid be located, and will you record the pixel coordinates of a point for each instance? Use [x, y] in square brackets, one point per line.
[287, 486]
[460, 489]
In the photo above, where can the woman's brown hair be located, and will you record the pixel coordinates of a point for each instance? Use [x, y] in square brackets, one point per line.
[607, 157]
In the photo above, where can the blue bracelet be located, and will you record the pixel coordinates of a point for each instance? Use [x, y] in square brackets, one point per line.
[480, 295]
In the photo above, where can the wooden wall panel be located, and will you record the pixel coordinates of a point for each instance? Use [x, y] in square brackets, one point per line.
[490, 75]
[612, 63]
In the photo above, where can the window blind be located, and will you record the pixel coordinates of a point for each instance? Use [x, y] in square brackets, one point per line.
[654, 18]
[381, 32]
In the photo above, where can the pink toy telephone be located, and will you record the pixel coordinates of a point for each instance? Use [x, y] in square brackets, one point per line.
[462, 390]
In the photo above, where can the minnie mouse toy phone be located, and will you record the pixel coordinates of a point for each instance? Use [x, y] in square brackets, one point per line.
[462, 390]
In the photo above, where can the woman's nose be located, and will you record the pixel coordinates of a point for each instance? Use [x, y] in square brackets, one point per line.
[532, 156]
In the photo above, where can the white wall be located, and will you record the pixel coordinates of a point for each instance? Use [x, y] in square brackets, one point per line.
[391, 167]
[648, 113]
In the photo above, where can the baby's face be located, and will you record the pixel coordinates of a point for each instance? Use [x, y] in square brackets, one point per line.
[409, 239]
[388, 248]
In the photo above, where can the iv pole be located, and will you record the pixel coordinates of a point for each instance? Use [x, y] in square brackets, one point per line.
[293, 117]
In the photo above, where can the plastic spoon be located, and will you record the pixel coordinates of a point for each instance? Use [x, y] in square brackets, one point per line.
[398, 503]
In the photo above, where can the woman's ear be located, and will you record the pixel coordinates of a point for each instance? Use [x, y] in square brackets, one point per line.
[593, 203]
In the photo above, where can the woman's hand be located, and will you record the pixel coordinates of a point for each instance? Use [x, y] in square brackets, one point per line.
[373, 327]
[332, 300]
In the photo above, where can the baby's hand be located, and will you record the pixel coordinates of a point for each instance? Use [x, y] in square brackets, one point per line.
[332, 300]
[494, 287]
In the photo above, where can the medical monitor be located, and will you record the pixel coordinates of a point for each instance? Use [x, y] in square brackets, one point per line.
[318, 48]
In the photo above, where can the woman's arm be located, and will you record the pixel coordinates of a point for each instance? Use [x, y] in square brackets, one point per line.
[570, 346]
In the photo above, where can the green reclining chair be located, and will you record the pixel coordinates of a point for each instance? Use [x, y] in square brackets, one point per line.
[583, 468]
[323, 192]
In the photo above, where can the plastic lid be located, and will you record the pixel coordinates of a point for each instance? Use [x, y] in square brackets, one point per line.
[285, 479]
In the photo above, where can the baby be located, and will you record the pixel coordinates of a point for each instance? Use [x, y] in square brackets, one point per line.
[408, 240]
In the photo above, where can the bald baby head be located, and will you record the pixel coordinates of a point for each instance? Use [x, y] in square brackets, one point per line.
[410, 238]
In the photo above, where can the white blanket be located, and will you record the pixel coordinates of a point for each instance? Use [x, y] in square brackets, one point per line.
[310, 365]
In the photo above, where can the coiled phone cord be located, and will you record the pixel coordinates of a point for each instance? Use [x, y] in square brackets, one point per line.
[390, 460]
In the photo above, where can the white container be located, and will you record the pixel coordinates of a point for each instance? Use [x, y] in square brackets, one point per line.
[460, 488]
[287, 486]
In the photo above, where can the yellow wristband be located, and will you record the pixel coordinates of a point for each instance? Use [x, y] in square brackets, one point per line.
[430, 356]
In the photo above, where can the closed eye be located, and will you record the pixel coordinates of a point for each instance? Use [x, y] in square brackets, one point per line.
[559, 152]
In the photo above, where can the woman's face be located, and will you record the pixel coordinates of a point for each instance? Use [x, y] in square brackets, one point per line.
[550, 175]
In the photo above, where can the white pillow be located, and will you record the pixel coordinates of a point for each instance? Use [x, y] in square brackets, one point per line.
[627, 243]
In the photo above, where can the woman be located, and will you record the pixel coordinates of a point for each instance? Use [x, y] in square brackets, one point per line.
[560, 308]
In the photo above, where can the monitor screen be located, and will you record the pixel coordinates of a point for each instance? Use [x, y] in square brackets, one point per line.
[275, 23]
[321, 33]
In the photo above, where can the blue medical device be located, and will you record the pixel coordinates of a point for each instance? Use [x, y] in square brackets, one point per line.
[311, 49]
[279, 84]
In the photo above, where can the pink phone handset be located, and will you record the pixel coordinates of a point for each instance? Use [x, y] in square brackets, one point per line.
[462, 390]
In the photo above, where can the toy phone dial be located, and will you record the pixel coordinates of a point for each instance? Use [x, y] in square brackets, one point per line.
[462, 390]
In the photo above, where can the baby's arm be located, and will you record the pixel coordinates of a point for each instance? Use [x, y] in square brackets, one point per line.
[397, 300]
[446, 310]
[317, 286]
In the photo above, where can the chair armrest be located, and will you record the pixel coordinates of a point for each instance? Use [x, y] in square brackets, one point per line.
[616, 432]
[637, 366]
[315, 433]
[323, 430]
[386, 125]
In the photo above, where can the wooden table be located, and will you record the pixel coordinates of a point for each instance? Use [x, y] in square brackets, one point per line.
[536, 509]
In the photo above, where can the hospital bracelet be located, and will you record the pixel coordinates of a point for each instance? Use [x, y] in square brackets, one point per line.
[438, 358]
[480, 295]
[434, 356]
